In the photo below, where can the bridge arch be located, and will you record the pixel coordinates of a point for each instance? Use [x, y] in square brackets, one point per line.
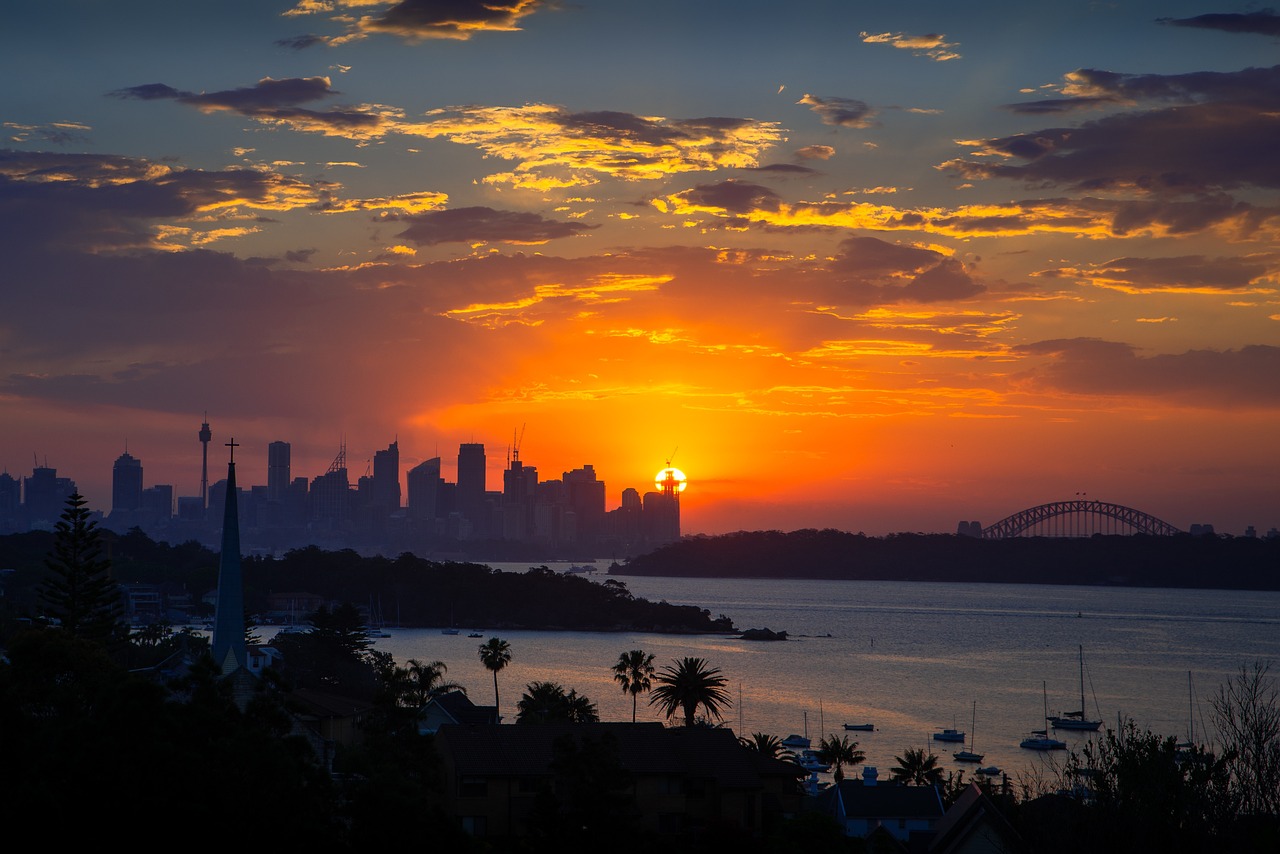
[1079, 518]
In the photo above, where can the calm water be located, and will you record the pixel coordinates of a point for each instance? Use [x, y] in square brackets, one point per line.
[911, 658]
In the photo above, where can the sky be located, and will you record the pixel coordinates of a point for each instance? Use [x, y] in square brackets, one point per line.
[872, 266]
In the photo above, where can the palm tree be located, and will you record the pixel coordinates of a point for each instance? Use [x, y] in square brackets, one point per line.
[634, 672]
[839, 752]
[768, 745]
[688, 684]
[917, 767]
[545, 702]
[495, 654]
[425, 681]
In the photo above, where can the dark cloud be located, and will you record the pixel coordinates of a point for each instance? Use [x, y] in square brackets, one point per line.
[842, 112]
[299, 256]
[266, 94]
[735, 197]
[94, 201]
[1184, 272]
[875, 270]
[455, 19]
[486, 225]
[1249, 376]
[1196, 148]
[273, 101]
[300, 42]
[784, 169]
[1061, 105]
[1264, 22]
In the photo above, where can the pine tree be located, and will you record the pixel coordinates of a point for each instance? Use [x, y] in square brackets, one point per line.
[78, 590]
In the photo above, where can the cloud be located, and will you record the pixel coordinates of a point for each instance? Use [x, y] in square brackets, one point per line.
[784, 169]
[815, 152]
[418, 20]
[93, 201]
[932, 45]
[1090, 217]
[1183, 274]
[300, 42]
[842, 112]
[732, 197]
[275, 102]
[1264, 22]
[880, 272]
[558, 148]
[57, 133]
[1219, 135]
[486, 225]
[1248, 376]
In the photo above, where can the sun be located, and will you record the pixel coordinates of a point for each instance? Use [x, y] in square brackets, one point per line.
[661, 478]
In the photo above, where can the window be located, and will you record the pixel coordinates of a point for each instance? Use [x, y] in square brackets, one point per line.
[473, 787]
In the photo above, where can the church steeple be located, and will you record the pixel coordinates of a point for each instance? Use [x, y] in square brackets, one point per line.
[229, 649]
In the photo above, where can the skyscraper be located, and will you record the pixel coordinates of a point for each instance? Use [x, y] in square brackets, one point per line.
[277, 470]
[126, 484]
[424, 490]
[386, 478]
[471, 483]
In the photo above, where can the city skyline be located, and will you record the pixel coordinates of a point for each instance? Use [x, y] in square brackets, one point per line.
[875, 267]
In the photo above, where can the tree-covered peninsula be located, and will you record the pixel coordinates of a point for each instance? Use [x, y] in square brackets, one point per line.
[1142, 561]
[407, 590]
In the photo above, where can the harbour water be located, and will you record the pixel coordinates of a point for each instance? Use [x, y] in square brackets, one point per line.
[911, 658]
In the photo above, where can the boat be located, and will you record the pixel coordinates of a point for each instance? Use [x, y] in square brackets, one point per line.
[1039, 738]
[809, 761]
[989, 771]
[965, 754]
[860, 727]
[1075, 720]
[794, 740]
[951, 734]
[475, 635]
[450, 631]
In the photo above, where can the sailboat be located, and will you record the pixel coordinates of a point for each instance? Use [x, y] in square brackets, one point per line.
[1075, 720]
[1185, 747]
[1039, 739]
[967, 755]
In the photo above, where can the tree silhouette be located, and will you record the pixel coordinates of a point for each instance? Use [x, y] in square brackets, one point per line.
[917, 767]
[78, 590]
[634, 672]
[547, 702]
[688, 684]
[839, 752]
[762, 742]
[495, 654]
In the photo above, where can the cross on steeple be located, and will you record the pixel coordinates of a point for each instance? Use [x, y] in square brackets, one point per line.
[233, 444]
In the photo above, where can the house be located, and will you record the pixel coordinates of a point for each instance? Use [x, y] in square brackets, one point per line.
[327, 721]
[867, 805]
[453, 707]
[669, 780]
[973, 825]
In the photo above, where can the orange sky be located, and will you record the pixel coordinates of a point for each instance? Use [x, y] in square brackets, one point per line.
[880, 269]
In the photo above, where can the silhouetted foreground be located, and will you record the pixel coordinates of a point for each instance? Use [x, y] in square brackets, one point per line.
[1138, 561]
[409, 591]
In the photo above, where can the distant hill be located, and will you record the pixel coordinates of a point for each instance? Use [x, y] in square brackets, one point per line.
[1138, 560]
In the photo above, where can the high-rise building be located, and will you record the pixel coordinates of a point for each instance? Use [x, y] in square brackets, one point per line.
[424, 490]
[471, 483]
[45, 496]
[277, 470]
[230, 652]
[386, 478]
[586, 499]
[126, 484]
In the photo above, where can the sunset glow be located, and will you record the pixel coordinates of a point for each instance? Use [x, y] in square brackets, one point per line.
[878, 267]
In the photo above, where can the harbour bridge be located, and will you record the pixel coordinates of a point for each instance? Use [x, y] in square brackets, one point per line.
[1078, 518]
